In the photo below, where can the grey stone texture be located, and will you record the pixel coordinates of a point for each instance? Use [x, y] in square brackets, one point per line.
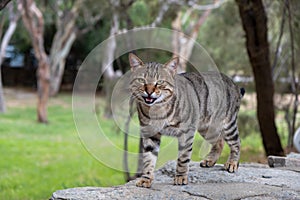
[251, 182]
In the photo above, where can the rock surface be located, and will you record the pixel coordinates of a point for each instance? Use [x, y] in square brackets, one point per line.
[252, 181]
[291, 162]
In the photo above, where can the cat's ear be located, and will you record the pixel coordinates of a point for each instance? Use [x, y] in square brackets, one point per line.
[172, 65]
[135, 62]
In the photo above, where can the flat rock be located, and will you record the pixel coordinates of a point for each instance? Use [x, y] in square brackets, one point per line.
[290, 162]
[252, 181]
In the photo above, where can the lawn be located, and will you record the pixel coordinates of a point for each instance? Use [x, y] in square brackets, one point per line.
[38, 159]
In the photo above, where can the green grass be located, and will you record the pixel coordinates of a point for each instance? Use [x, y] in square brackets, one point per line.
[38, 159]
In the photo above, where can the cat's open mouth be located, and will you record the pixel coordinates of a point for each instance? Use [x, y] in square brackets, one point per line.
[149, 100]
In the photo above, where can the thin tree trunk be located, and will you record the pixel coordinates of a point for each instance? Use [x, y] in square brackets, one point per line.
[43, 78]
[183, 45]
[278, 45]
[3, 3]
[62, 43]
[294, 84]
[107, 66]
[57, 61]
[34, 23]
[13, 19]
[2, 100]
[254, 23]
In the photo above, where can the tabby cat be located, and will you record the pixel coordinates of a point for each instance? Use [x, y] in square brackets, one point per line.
[180, 104]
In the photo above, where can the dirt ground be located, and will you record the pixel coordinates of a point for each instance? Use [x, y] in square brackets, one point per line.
[24, 97]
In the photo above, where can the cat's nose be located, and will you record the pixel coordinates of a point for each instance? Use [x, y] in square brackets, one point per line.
[149, 89]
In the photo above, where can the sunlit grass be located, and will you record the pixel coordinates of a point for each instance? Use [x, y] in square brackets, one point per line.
[37, 159]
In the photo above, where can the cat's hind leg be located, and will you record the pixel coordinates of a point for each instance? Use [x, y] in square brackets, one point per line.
[214, 154]
[231, 137]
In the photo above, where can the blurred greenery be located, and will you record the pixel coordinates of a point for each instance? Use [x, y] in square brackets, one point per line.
[139, 13]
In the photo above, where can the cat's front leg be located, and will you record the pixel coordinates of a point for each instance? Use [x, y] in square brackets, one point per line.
[185, 146]
[150, 153]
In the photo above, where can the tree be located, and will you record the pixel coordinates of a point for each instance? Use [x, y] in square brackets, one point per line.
[254, 23]
[221, 36]
[183, 45]
[51, 67]
[62, 42]
[3, 3]
[67, 30]
[294, 84]
[13, 20]
[285, 63]
[34, 23]
[110, 75]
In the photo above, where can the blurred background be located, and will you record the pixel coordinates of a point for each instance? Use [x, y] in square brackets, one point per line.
[44, 42]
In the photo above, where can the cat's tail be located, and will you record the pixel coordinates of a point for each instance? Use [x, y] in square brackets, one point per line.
[242, 91]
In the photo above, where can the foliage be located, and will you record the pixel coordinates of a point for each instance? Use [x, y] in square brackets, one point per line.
[139, 13]
[222, 36]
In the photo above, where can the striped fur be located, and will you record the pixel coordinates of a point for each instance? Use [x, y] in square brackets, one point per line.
[179, 105]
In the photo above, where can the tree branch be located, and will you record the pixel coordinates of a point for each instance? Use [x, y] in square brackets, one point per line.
[294, 84]
[277, 52]
[3, 3]
[13, 19]
[163, 9]
[196, 6]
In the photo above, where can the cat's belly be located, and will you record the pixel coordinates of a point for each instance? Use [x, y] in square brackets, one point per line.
[210, 130]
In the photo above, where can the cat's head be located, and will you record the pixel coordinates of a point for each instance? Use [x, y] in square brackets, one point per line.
[152, 83]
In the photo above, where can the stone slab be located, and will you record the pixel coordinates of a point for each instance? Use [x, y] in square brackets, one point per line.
[251, 182]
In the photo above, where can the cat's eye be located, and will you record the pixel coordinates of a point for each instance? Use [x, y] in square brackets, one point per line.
[159, 82]
[141, 80]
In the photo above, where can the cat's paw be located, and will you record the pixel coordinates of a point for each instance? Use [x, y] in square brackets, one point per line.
[144, 182]
[181, 180]
[231, 166]
[207, 163]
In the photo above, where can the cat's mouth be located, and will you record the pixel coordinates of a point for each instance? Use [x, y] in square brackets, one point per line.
[149, 100]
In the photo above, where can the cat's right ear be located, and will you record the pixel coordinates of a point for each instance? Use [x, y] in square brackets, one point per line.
[135, 62]
[172, 65]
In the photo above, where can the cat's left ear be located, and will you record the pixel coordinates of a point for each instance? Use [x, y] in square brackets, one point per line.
[172, 65]
[135, 62]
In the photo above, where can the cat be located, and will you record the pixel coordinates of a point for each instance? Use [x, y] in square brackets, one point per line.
[179, 105]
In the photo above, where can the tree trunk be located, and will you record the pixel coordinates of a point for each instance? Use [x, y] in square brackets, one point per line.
[294, 83]
[2, 100]
[3, 3]
[34, 23]
[59, 51]
[62, 43]
[13, 19]
[183, 45]
[110, 76]
[254, 23]
[43, 82]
